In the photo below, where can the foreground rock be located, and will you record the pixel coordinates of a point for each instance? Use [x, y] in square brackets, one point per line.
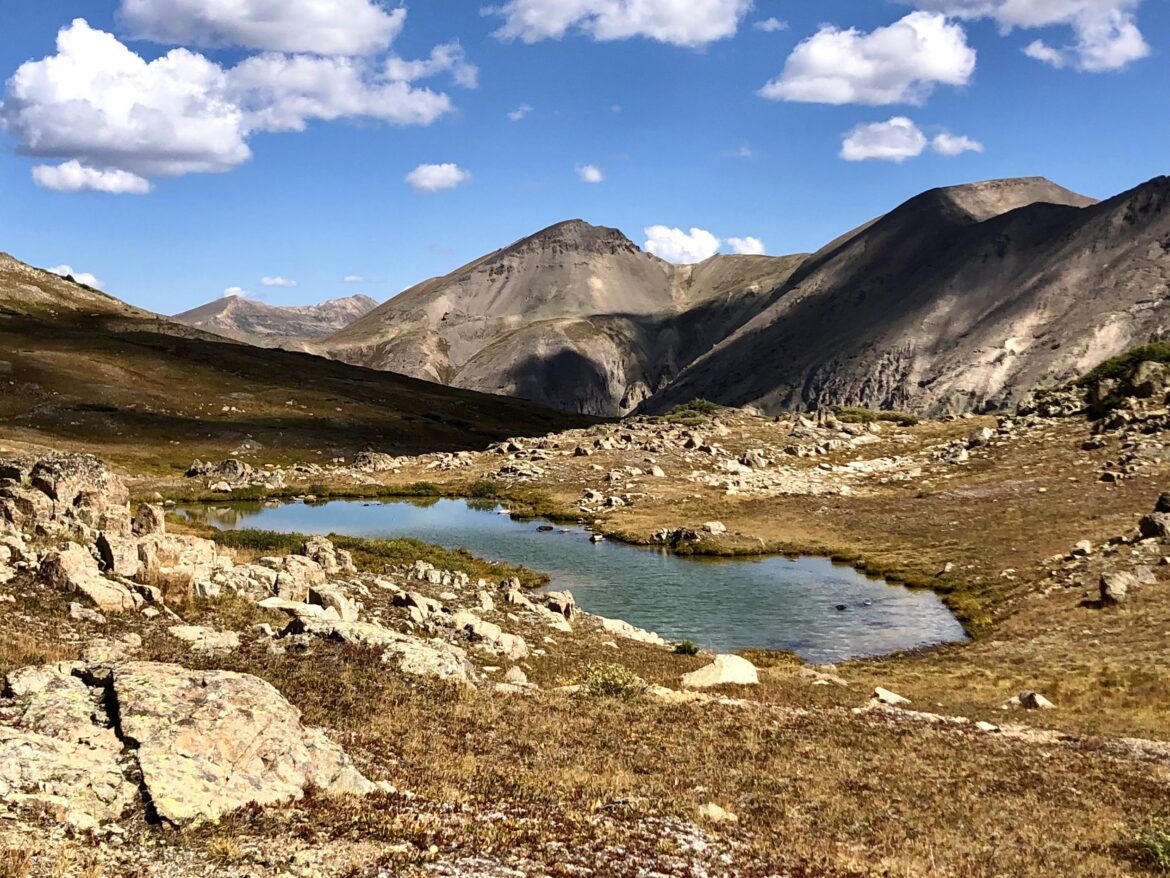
[726, 670]
[74, 737]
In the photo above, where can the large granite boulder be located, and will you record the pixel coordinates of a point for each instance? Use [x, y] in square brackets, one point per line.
[73, 569]
[209, 742]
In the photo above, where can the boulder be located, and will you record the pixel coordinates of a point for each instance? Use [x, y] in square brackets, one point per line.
[725, 670]
[332, 560]
[83, 489]
[205, 639]
[1149, 380]
[209, 742]
[885, 696]
[1115, 586]
[1156, 525]
[149, 520]
[330, 596]
[561, 602]
[621, 628]
[434, 658]
[295, 575]
[74, 570]
[118, 555]
[1029, 701]
[177, 563]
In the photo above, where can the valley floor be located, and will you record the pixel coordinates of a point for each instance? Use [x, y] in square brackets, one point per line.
[587, 772]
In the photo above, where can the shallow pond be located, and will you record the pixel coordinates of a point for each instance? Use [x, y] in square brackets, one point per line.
[724, 605]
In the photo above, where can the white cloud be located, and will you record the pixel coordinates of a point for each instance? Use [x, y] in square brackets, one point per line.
[899, 139]
[955, 144]
[81, 277]
[520, 112]
[444, 58]
[435, 178]
[748, 246]
[770, 25]
[590, 174]
[72, 176]
[277, 281]
[353, 279]
[900, 63]
[679, 247]
[893, 141]
[1105, 33]
[744, 152]
[324, 27]
[234, 292]
[680, 22]
[286, 92]
[103, 109]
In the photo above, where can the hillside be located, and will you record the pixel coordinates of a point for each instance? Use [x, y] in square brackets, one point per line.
[258, 323]
[961, 299]
[81, 366]
[575, 317]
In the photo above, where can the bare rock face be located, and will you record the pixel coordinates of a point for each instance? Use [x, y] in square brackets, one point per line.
[964, 298]
[208, 742]
[267, 325]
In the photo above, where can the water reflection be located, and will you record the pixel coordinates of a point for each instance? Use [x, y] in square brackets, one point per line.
[819, 610]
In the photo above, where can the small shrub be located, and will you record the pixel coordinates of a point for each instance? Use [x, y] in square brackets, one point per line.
[694, 407]
[318, 490]
[686, 647]
[1123, 365]
[485, 489]
[609, 680]
[1148, 845]
[422, 489]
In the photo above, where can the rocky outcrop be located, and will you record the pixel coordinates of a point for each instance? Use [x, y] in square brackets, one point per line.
[209, 742]
[73, 737]
[260, 323]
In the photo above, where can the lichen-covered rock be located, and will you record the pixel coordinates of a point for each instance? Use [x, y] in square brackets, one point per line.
[434, 658]
[73, 569]
[622, 628]
[84, 490]
[209, 742]
[333, 561]
[205, 639]
[177, 563]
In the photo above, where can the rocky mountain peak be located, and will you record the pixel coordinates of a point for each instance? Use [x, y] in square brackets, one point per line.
[576, 236]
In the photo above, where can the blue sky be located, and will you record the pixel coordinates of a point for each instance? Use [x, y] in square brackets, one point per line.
[693, 114]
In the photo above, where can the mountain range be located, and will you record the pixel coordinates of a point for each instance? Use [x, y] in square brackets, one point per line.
[963, 298]
[258, 323]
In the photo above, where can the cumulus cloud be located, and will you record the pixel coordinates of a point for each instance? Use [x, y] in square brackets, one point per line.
[72, 176]
[235, 292]
[520, 112]
[445, 58]
[955, 144]
[679, 247]
[435, 178]
[899, 139]
[590, 174]
[893, 141]
[324, 27]
[277, 281]
[114, 120]
[748, 246]
[770, 25]
[81, 277]
[689, 23]
[353, 279]
[1105, 33]
[900, 63]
